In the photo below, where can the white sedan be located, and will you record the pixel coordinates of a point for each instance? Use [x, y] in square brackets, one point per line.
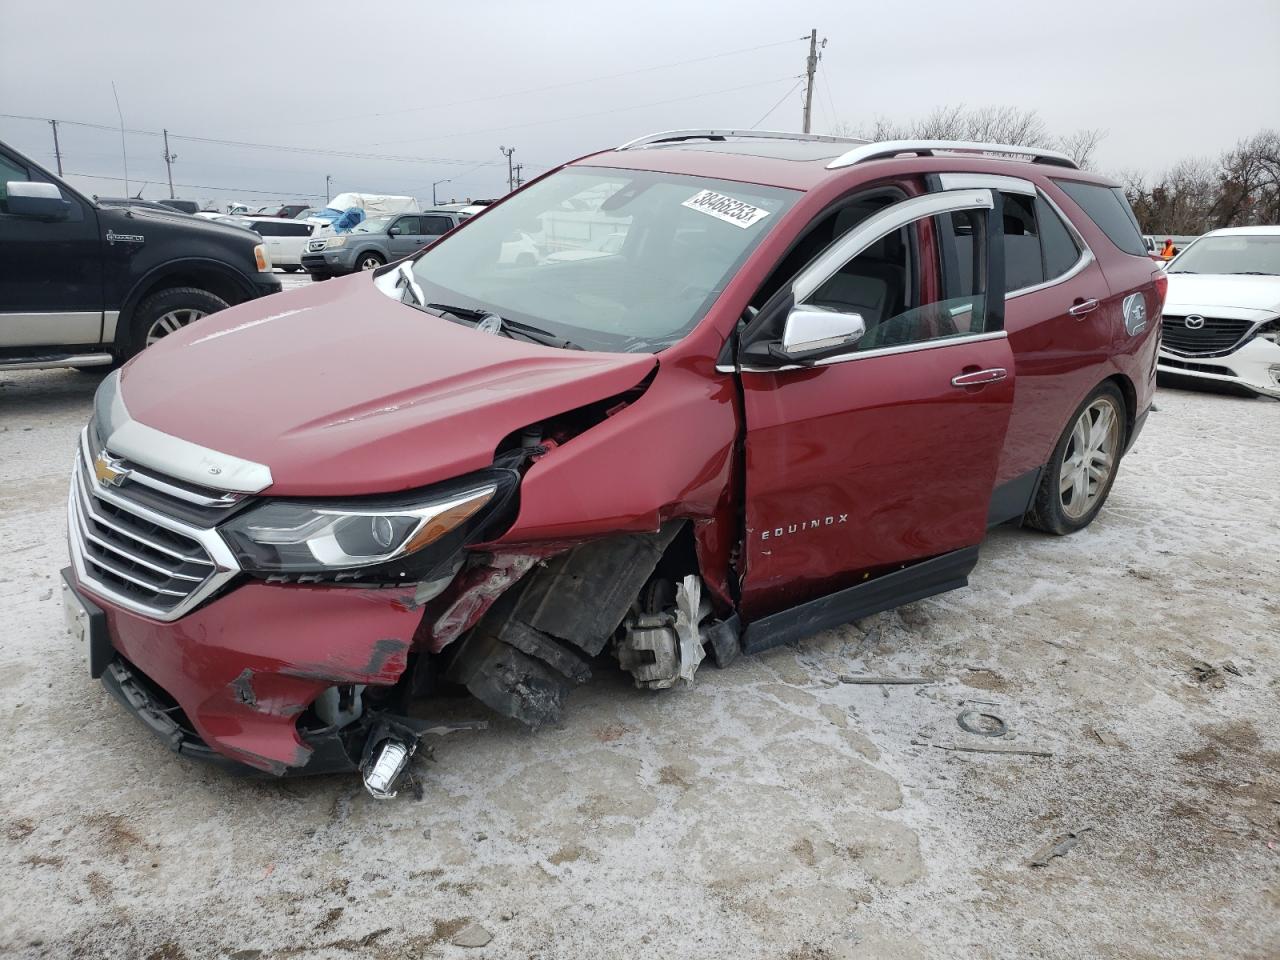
[1221, 323]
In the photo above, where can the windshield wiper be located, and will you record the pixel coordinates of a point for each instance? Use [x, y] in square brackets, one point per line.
[407, 284]
[529, 332]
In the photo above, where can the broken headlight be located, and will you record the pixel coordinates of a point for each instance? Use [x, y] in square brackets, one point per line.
[287, 537]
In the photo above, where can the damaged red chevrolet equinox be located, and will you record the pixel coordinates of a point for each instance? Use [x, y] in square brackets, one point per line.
[749, 386]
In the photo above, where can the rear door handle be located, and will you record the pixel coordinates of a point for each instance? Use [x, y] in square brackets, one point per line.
[978, 377]
[1083, 307]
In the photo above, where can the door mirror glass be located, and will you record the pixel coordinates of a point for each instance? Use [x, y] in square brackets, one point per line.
[39, 201]
[814, 332]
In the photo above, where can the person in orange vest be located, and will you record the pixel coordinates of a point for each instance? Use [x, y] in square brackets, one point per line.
[1169, 249]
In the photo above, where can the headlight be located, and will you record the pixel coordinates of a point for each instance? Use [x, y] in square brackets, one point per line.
[298, 537]
[264, 259]
[331, 242]
[1271, 331]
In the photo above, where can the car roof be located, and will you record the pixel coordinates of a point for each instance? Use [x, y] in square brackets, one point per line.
[803, 162]
[1268, 230]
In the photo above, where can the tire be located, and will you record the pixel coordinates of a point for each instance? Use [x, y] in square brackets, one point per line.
[293, 268]
[1073, 487]
[317, 277]
[167, 311]
[369, 261]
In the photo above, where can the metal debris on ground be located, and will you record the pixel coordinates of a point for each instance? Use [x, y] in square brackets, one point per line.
[851, 678]
[1206, 673]
[961, 748]
[983, 724]
[1057, 847]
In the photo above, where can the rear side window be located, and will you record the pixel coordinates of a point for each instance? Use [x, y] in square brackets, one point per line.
[436, 226]
[1109, 209]
[292, 228]
[1023, 266]
[1059, 247]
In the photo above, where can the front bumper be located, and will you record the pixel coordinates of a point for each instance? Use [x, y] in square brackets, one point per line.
[1254, 367]
[244, 668]
[339, 261]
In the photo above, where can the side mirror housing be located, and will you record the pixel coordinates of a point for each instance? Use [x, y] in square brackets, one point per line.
[812, 333]
[39, 201]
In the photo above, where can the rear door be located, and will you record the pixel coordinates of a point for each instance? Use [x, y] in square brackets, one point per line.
[50, 271]
[887, 454]
[435, 226]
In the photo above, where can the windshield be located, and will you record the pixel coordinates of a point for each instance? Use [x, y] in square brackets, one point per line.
[372, 225]
[613, 260]
[1238, 254]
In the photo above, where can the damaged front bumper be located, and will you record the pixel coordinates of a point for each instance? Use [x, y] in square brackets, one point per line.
[233, 682]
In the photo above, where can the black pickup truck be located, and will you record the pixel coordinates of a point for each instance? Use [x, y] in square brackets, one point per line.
[85, 285]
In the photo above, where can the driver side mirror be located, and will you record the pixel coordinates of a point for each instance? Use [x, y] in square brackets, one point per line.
[39, 201]
[812, 333]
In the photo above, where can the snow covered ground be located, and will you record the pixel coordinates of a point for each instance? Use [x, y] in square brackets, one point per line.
[770, 812]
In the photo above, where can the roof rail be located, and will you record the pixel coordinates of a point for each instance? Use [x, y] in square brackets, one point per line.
[930, 148]
[676, 136]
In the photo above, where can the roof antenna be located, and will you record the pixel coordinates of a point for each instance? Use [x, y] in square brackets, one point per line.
[123, 152]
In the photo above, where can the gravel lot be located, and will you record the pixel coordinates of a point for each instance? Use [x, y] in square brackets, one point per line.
[772, 811]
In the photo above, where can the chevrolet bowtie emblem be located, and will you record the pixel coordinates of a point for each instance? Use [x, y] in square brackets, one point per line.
[109, 471]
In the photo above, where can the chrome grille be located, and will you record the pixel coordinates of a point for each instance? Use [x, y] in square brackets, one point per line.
[140, 559]
[315, 246]
[1217, 335]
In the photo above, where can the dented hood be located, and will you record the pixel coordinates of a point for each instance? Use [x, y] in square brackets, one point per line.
[341, 390]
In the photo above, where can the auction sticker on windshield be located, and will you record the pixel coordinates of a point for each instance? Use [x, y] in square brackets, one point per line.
[725, 208]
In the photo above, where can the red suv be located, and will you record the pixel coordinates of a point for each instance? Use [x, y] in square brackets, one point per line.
[748, 387]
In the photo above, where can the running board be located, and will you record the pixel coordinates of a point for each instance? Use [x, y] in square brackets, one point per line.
[947, 572]
[61, 360]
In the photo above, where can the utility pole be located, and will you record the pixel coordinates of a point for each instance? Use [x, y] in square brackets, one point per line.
[519, 179]
[328, 179]
[811, 68]
[434, 201]
[511, 174]
[168, 162]
[57, 151]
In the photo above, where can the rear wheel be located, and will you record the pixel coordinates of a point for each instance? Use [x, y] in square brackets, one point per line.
[1079, 476]
[369, 261]
[167, 312]
[291, 268]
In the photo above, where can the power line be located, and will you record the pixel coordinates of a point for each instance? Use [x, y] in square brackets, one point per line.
[594, 113]
[205, 186]
[794, 87]
[553, 86]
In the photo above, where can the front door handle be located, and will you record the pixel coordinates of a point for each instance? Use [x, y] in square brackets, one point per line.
[979, 377]
[1083, 306]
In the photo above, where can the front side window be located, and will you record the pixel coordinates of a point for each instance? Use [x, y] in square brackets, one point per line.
[905, 297]
[610, 259]
[406, 227]
[1239, 254]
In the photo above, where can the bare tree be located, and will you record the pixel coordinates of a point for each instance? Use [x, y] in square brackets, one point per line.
[991, 124]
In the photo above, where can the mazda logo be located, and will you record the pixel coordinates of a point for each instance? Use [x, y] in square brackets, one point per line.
[1194, 322]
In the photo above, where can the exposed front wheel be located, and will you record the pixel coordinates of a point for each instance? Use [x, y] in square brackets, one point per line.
[369, 261]
[1079, 476]
[167, 312]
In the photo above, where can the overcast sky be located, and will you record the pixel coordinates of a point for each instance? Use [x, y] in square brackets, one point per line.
[448, 83]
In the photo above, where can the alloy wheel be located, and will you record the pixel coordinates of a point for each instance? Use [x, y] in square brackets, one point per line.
[1090, 457]
[171, 322]
[370, 263]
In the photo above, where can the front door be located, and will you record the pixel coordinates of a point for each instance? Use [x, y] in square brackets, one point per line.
[50, 271]
[861, 463]
[406, 236]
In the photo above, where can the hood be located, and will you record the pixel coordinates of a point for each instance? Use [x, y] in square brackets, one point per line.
[1209, 292]
[341, 390]
[185, 221]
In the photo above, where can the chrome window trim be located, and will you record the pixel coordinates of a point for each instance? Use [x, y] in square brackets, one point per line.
[879, 352]
[878, 225]
[225, 566]
[1084, 260]
[167, 454]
